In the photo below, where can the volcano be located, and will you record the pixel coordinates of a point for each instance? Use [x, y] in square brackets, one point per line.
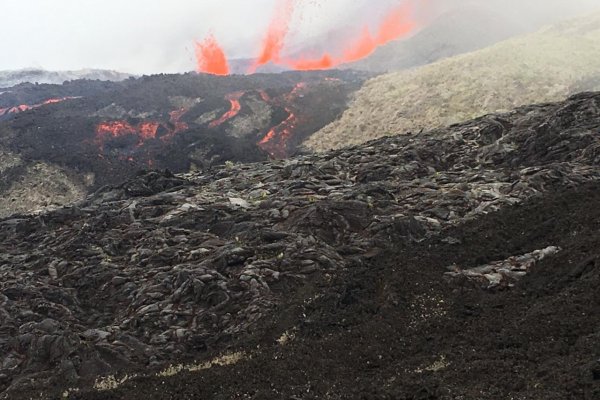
[100, 133]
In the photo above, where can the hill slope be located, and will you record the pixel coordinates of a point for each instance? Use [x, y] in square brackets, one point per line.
[544, 66]
[325, 264]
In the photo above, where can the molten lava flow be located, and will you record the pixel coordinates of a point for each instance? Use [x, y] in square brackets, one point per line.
[143, 131]
[274, 40]
[234, 99]
[115, 129]
[211, 57]
[275, 141]
[396, 24]
[148, 130]
[26, 107]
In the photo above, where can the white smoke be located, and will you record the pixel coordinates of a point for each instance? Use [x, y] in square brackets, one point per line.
[152, 36]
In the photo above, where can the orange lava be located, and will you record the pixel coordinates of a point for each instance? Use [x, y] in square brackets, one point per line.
[211, 57]
[275, 142]
[148, 130]
[26, 107]
[274, 40]
[397, 24]
[236, 107]
[115, 129]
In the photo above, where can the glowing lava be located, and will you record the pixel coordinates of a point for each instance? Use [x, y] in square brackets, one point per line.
[211, 57]
[148, 130]
[115, 129]
[234, 99]
[143, 131]
[275, 142]
[26, 107]
[398, 23]
[274, 40]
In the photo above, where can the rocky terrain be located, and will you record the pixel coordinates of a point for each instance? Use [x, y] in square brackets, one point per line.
[59, 142]
[545, 66]
[454, 264]
[40, 76]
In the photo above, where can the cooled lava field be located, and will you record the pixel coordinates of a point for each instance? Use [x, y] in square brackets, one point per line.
[458, 263]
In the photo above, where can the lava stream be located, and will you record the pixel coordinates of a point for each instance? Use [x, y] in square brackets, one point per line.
[275, 141]
[26, 107]
[236, 107]
[398, 23]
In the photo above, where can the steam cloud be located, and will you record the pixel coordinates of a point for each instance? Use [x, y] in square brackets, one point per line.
[151, 36]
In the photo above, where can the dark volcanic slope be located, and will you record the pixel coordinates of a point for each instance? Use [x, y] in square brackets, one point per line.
[333, 265]
[169, 121]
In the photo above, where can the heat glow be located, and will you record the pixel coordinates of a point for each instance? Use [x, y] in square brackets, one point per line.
[211, 57]
[275, 141]
[25, 107]
[396, 24]
[274, 40]
[234, 100]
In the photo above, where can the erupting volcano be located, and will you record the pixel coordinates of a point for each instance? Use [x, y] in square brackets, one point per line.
[397, 23]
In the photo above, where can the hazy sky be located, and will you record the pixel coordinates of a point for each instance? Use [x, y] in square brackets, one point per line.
[149, 36]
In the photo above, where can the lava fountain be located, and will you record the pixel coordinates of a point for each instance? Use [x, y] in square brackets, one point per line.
[397, 23]
[211, 57]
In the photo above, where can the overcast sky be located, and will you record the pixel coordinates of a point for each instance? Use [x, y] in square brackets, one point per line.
[150, 36]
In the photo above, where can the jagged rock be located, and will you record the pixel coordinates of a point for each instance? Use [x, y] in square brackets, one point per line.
[502, 273]
[165, 264]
